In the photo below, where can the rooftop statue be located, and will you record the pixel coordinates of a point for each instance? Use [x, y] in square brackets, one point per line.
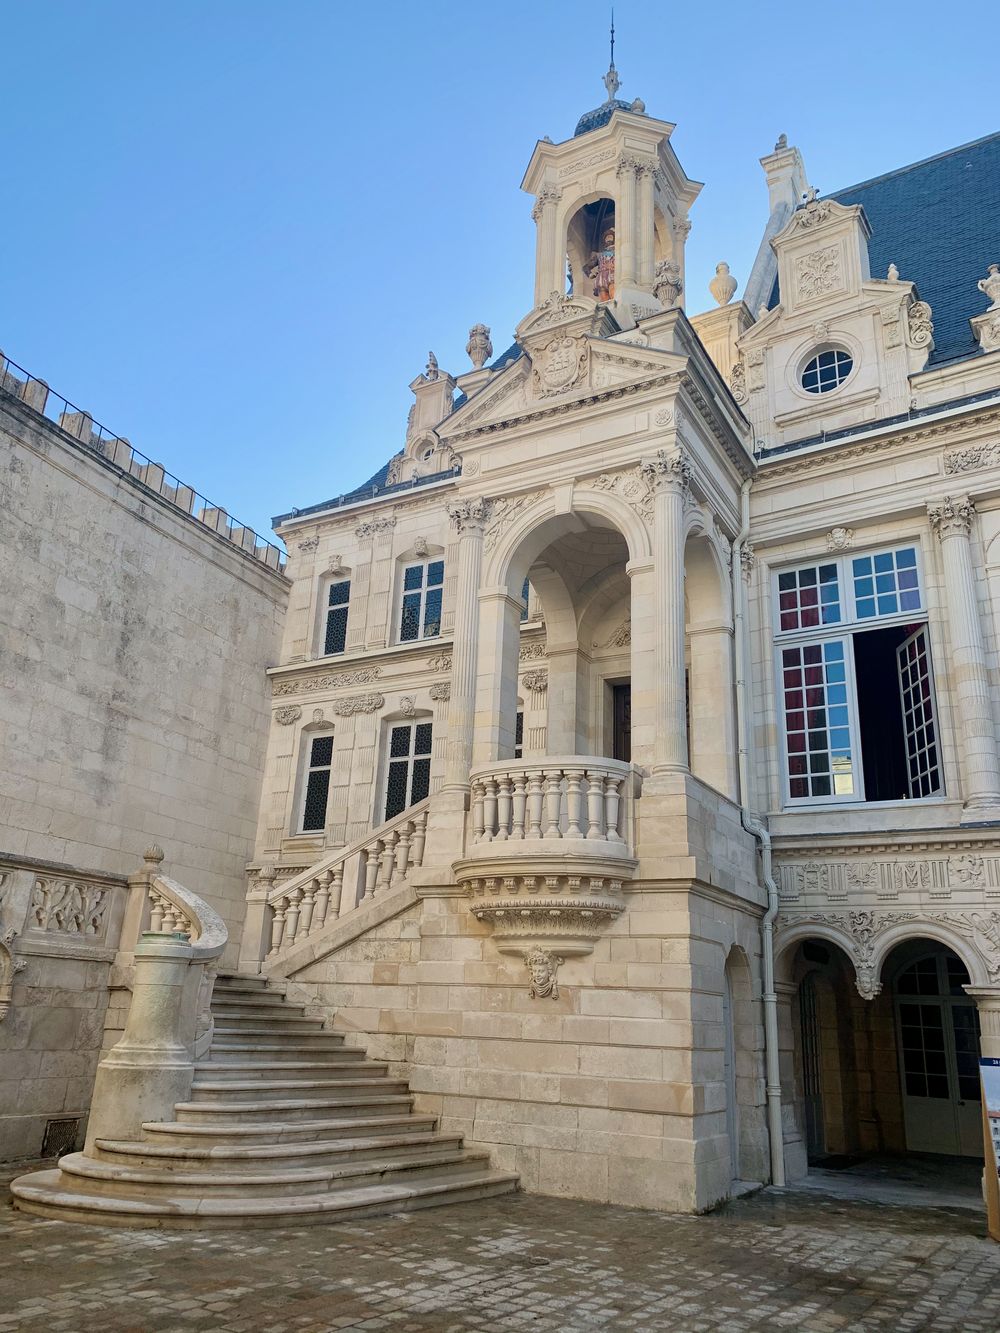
[601, 267]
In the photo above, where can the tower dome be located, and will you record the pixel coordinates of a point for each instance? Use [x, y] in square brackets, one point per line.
[593, 120]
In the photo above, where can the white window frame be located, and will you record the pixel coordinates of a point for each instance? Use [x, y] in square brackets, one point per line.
[326, 608]
[305, 768]
[844, 630]
[389, 759]
[422, 592]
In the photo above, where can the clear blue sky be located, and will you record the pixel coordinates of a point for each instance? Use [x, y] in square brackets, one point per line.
[233, 229]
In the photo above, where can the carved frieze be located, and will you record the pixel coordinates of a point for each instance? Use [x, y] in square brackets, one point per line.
[531, 652]
[439, 662]
[357, 703]
[328, 681]
[972, 459]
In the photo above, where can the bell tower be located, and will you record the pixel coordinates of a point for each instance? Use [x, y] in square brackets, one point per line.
[611, 210]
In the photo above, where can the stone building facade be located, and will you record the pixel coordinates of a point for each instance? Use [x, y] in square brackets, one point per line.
[136, 624]
[632, 782]
[633, 774]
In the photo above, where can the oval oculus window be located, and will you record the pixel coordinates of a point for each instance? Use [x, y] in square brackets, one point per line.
[827, 370]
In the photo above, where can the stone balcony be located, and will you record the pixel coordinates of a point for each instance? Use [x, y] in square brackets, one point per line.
[551, 845]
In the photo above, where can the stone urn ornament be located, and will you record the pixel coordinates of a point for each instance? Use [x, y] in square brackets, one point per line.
[723, 285]
[990, 286]
[479, 347]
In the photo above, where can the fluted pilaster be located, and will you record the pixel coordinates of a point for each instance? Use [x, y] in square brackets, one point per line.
[469, 519]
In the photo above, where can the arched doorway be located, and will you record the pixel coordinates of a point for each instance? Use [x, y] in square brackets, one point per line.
[937, 1035]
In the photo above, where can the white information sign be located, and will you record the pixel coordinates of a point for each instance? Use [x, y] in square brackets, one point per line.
[989, 1070]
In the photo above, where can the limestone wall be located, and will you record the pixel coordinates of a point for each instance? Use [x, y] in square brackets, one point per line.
[134, 702]
[612, 1091]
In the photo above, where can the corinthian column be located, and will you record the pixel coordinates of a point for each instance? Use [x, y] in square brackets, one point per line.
[469, 518]
[548, 265]
[668, 474]
[645, 225]
[625, 229]
[952, 521]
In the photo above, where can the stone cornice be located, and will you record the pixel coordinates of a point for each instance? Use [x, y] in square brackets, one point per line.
[915, 842]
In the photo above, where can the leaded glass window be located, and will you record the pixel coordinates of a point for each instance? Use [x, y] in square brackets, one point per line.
[420, 616]
[408, 773]
[336, 617]
[317, 783]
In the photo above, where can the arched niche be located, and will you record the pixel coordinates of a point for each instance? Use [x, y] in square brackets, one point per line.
[585, 231]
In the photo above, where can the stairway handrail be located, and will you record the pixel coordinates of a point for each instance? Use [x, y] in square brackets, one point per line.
[344, 854]
[205, 930]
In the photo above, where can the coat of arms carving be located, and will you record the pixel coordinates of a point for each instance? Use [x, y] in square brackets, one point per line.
[559, 365]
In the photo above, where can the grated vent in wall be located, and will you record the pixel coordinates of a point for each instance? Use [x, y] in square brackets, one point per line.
[60, 1136]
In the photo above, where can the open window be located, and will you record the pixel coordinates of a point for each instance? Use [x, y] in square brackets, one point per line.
[855, 680]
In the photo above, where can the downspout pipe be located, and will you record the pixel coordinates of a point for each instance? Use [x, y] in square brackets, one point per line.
[769, 996]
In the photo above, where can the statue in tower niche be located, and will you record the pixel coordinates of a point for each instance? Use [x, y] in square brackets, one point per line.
[601, 267]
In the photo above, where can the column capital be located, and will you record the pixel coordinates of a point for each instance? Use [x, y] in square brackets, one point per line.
[469, 516]
[953, 516]
[548, 194]
[667, 471]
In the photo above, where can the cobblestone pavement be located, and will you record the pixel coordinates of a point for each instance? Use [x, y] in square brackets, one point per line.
[776, 1260]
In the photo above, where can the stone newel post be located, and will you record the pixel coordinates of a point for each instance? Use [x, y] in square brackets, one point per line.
[952, 521]
[469, 518]
[668, 475]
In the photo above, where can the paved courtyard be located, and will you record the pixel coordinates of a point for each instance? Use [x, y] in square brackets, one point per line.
[800, 1260]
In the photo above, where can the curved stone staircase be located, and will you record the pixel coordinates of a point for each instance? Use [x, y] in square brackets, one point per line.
[286, 1126]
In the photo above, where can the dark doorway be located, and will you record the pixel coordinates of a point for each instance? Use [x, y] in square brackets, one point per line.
[622, 722]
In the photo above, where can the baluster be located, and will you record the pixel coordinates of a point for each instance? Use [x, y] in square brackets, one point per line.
[503, 808]
[595, 806]
[535, 801]
[574, 802]
[478, 811]
[490, 810]
[371, 870]
[155, 913]
[520, 804]
[336, 889]
[419, 838]
[292, 918]
[308, 907]
[386, 860]
[402, 853]
[322, 899]
[278, 924]
[612, 804]
[553, 803]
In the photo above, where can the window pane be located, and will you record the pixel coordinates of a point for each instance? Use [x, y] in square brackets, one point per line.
[409, 625]
[422, 739]
[340, 593]
[317, 790]
[919, 727]
[435, 573]
[818, 738]
[321, 752]
[886, 583]
[809, 597]
[395, 799]
[399, 742]
[421, 780]
[432, 613]
[413, 577]
[336, 630]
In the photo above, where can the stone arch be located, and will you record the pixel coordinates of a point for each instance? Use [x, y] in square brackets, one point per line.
[941, 933]
[789, 936]
[709, 651]
[580, 231]
[746, 1040]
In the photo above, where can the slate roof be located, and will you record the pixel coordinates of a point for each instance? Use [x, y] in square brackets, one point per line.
[938, 221]
[593, 120]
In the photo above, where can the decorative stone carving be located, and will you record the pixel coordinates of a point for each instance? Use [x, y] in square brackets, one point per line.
[372, 527]
[815, 212]
[663, 417]
[622, 636]
[420, 548]
[839, 539]
[336, 566]
[432, 370]
[440, 692]
[817, 273]
[971, 870]
[921, 328]
[536, 680]
[408, 705]
[723, 285]
[559, 365]
[971, 459]
[952, 517]
[286, 716]
[530, 652]
[394, 474]
[671, 470]
[987, 330]
[357, 703]
[990, 287]
[738, 382]
[548, 194]
[667, 283]
[543, 967]
[440, 662]
[69, 906]
[308, 544]
[893, 274]
[863, 927]
[330, 681]
[502, 513]
[632, 486]
[469, 515]
[9, 966]
[479, 347]
[558, 912]
[983, 929]
[748, 561]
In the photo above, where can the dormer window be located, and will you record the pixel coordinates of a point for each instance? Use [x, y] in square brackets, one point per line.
[827, 370]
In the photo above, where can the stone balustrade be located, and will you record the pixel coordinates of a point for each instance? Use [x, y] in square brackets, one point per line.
[560, 797]
[366, 869]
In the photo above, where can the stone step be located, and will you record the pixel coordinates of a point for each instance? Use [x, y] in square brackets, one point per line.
[193, 1134]
[239, 1071]
[293, 1108]
[294, 1050]
[274, 1089]
[314, 1034]
[113, 1178]
[267, 1025]
[259, 1002]
[247, 985]
[328, 1152]
[44, 1194]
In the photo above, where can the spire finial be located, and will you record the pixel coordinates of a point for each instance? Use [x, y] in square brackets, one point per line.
[611, 79]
